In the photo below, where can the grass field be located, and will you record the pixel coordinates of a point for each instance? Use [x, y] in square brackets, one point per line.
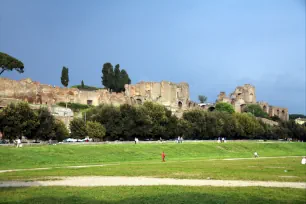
[68, 155]
[145, 195]
[187, 160]
[253, 169]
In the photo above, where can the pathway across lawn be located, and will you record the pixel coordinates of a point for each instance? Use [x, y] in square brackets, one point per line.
[146, 181]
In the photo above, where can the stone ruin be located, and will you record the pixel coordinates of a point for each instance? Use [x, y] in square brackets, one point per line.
[174, 96]
[246, 94]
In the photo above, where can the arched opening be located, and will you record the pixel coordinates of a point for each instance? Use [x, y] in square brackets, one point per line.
[138, 101]
[180, 104]
[277, 112]
[251, 97]
[283, 114]
[211, 109]
[189, 104]
[202, 106]
[242, 107]
[264, 109]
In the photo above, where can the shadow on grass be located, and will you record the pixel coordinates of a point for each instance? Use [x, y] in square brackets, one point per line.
[162, 198]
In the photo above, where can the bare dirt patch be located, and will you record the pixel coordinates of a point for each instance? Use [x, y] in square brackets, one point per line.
[145, 181]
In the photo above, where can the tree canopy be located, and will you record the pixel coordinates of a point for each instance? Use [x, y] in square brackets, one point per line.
[256, 110]
[114, 79]
[65, 76]
[9, 63]
[147, 121]
[295, 116]
[225, 107]
[202, 98]
[95, 130]
[19, 119]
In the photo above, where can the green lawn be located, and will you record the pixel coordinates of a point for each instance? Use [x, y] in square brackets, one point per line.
[67, 155]
[156, 194]
[188, 160]
[253, 169]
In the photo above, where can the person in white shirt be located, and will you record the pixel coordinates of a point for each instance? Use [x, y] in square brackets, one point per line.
[18, 141]
[303, 160]
[255, 155]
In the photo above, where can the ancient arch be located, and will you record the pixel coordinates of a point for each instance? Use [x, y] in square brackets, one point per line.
[242, 107]
[264, 108]
[180, 104]
[138, 101]
[211, 108]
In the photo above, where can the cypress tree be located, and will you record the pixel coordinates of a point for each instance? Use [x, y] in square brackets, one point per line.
[65, 77]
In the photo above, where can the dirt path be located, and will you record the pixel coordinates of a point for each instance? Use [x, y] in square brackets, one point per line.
[118, 163]
[145, 181]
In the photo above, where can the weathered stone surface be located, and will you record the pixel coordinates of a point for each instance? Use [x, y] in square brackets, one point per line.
[173, 96]
[246, 94]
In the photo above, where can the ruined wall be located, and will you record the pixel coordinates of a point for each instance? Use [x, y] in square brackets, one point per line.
[246, 94]
[36, 93]
[174, 96]
[281, 112]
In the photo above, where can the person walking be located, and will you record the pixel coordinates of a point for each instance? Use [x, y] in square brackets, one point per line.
[18, 142]
[256, 154]
[163, 156]
[303, 160]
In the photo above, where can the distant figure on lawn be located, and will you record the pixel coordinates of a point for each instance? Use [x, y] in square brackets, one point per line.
[136, 140]
[180, 139]
[303, 160]
[18, 143]
[222, 139]
[163, 156]
[219, 140]
[255, 155]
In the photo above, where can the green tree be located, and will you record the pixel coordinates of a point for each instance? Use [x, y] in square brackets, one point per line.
[82, 84]
[256, 110]
[251, 127]
[224, 107]
[17, 120]
[202, 98]
[295, 116]
[108, 76]
[157, 114]
[78, 128]
[110, 117]
[65, 77]
[117, 79]
[197, 123]
[9, 63]
[124, 79]
[61, 131]
[45, 129]
[95, 130]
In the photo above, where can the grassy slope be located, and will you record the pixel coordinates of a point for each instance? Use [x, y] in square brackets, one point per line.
[254, 169]
[64, 155]
[145, 195]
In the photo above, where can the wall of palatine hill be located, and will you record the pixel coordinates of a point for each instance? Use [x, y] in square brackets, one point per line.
[246, 94]
[174, 96]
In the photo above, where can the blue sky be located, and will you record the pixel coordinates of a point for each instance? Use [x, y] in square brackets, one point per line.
[213, 45]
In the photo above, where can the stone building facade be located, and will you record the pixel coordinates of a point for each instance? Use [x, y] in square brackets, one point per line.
[246, 94]
[174, 96]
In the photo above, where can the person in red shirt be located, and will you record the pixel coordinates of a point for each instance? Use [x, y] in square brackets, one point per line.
[163, 156]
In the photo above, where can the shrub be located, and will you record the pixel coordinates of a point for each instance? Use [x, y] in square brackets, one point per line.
[95, 130]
